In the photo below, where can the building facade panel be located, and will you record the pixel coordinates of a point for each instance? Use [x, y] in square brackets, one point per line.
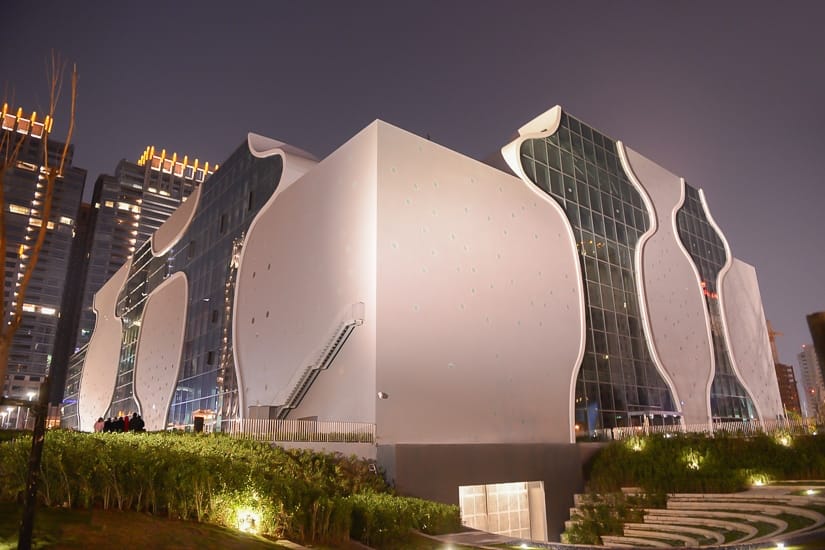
[479, 301]
[159, 350]
[97, 381]
[307, 262]
[746, 329]
[673, 296]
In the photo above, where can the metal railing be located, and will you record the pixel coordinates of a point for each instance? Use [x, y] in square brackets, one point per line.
[262, 429]
[745, 428]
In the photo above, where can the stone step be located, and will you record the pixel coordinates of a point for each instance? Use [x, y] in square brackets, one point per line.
[697, 531]
[632, 542]
[649, 533]
[748, 530]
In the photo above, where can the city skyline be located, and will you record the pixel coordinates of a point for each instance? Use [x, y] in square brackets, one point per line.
[723, 95]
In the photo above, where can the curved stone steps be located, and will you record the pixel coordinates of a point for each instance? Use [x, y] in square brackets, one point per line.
[749, 531]
[617, 541]
[668, 527]
[780, 525]
[768, 509]
[650, 533]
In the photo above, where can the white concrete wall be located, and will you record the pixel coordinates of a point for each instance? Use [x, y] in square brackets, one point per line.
[479, 301]
[673, 299]
[309, 256]
[97, 383]
[169, 233]
[158, 357]
[741, 305]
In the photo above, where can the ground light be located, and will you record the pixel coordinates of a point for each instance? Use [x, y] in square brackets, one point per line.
[248, 520]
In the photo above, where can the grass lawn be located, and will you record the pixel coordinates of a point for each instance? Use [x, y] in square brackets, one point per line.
[70, 529]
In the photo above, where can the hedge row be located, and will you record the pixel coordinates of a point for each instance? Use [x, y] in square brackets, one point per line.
[694, 463]
[302, 495]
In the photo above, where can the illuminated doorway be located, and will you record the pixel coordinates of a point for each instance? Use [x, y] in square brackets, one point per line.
[512, 509]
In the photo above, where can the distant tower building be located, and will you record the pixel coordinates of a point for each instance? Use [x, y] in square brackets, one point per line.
[129, 207]
[785, 377]
[32, 348]
[812, 383]
[816, 324]
[787, 388]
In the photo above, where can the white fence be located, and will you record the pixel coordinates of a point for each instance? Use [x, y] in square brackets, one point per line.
[302, 430]
[745, 428]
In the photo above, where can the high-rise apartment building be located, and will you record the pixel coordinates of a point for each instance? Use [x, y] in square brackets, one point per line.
[31, 353]
[813, 386]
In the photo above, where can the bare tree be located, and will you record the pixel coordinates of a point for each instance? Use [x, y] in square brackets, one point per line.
[11, 144]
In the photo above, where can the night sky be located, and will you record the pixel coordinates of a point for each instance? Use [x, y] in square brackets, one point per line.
[729, 95]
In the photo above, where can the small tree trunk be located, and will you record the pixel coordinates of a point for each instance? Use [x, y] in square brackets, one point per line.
[24, 541]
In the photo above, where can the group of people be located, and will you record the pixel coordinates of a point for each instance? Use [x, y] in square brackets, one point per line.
[120, 424]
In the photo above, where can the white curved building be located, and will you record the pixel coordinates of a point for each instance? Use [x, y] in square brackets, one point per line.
[474, 315]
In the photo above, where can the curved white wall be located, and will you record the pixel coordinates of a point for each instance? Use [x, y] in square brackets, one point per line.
[741, 305]
[170, 231]
[480, 303]
[103, 354]
[308, 256]
[673, 296]
[159, 349]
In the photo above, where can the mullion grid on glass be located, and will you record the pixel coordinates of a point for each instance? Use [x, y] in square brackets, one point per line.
[729, 400]
[606, 215]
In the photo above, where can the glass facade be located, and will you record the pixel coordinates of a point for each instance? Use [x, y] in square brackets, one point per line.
[618, 382]
[207, 253]
[728, 399]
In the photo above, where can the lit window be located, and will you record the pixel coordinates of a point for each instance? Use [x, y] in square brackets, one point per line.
[66, 221]
[167, 166]
[27, 166]
[124, 206]
[47, 310]
[155, 163]
[37, 129]
[109, 204]
[178, 169]
[8, 121]
[29, 308]
[23, 125]
[36, 222]
[16, 209]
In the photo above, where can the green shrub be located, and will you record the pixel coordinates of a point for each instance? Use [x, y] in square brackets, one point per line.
[694, 463]
[378, 520]
[303, 495]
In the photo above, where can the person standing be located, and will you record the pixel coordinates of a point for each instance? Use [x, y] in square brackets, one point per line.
[99, 425]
